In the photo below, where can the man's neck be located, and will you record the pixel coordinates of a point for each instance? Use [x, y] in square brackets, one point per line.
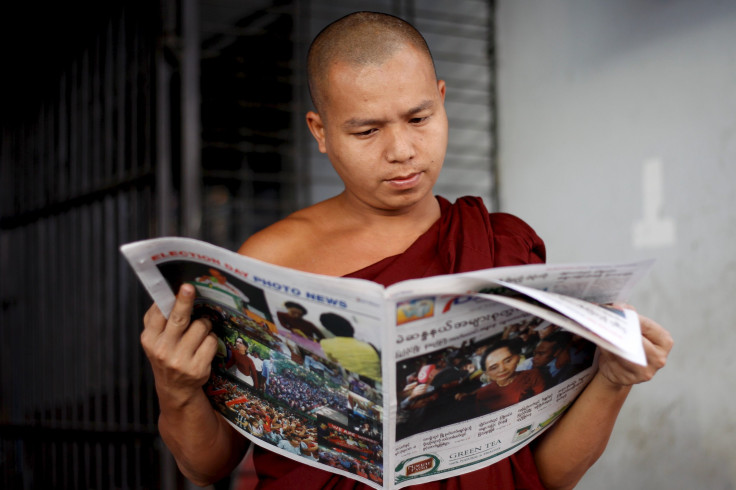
[409, 220]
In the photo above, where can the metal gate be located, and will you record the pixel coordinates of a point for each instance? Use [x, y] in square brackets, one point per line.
[78, 178]
[110, 135]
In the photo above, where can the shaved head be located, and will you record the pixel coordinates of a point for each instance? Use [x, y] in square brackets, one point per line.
[358, 39]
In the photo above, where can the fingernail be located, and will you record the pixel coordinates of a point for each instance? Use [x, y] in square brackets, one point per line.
[186, 290]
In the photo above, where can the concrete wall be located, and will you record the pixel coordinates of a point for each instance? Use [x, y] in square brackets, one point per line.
[617, 141]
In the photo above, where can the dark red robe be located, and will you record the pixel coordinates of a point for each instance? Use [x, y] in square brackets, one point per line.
[493, 397]
[465, 238]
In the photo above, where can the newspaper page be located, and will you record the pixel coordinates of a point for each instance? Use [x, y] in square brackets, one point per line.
[391, 386]
[468, 365]
[298, 368]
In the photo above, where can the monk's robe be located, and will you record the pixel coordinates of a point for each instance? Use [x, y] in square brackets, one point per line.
[465, 238]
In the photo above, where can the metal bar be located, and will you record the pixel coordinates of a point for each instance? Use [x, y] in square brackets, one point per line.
[121, 101]
[73, 178]
[108, 112]
[92, 261]
[84, 133]
[132, 98]
[191, 201]
[147, 48]
[163, 135]
[302, 190]
[110, 383]
[96, 119]
[123, 306]
[62, 147]
[99, 461]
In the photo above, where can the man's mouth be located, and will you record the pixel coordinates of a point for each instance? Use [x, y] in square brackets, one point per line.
[405, 180]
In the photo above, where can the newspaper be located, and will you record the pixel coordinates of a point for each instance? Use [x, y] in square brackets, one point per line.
[419, 381]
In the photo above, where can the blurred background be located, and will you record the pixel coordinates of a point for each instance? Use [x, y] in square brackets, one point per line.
[609, 126]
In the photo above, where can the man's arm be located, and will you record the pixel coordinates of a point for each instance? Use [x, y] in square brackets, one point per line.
[205, 446]
[577, 440]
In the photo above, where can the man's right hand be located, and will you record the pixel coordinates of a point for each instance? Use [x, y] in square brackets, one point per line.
[180, 350]
[205, 446]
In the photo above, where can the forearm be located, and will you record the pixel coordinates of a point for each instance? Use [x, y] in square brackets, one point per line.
[578, 439]
[205, 446]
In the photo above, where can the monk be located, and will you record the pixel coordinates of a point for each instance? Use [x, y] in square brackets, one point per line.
[379, 117]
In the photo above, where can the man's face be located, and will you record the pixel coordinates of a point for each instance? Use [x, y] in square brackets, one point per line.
[294, 312]
[501, 365]
[543, 354]
[547, 331]
[384, 129]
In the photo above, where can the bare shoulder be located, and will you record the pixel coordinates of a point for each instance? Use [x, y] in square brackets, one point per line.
[284, 242]
[328, 239]
[276, 242]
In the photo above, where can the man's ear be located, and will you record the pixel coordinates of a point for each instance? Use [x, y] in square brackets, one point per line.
[317, 128]
[442, 88]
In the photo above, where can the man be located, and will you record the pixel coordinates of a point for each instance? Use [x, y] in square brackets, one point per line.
[294, 321]
[380, 118]
[552, 358]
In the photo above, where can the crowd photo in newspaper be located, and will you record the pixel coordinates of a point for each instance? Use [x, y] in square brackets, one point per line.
[278, 377]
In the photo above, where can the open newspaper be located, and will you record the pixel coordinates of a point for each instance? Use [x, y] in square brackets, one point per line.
[419, 381]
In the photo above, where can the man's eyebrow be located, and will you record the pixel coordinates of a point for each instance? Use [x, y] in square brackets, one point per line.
[427, 104]
[358, 123]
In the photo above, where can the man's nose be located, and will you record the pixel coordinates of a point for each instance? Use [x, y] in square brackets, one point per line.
[400, 146]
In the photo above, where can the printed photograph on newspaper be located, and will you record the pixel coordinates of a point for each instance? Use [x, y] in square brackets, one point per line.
[477, 380]
[297, 380]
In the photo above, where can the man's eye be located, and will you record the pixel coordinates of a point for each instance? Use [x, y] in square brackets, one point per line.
[418, 120]
[367, 132]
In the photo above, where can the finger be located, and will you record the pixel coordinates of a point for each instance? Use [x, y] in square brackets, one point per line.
[154, 321]
[656, 354]
[206, 350]
[199, 364]
[181, 313]
[620, 371]
[192, 339]
[655, 333]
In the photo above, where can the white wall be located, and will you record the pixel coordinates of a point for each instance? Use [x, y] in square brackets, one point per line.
[617, 141]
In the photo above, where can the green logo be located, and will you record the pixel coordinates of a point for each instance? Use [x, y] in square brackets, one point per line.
[422, 465]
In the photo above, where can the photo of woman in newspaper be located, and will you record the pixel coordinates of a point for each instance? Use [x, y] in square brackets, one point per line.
[479, 377]
[506, 385]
